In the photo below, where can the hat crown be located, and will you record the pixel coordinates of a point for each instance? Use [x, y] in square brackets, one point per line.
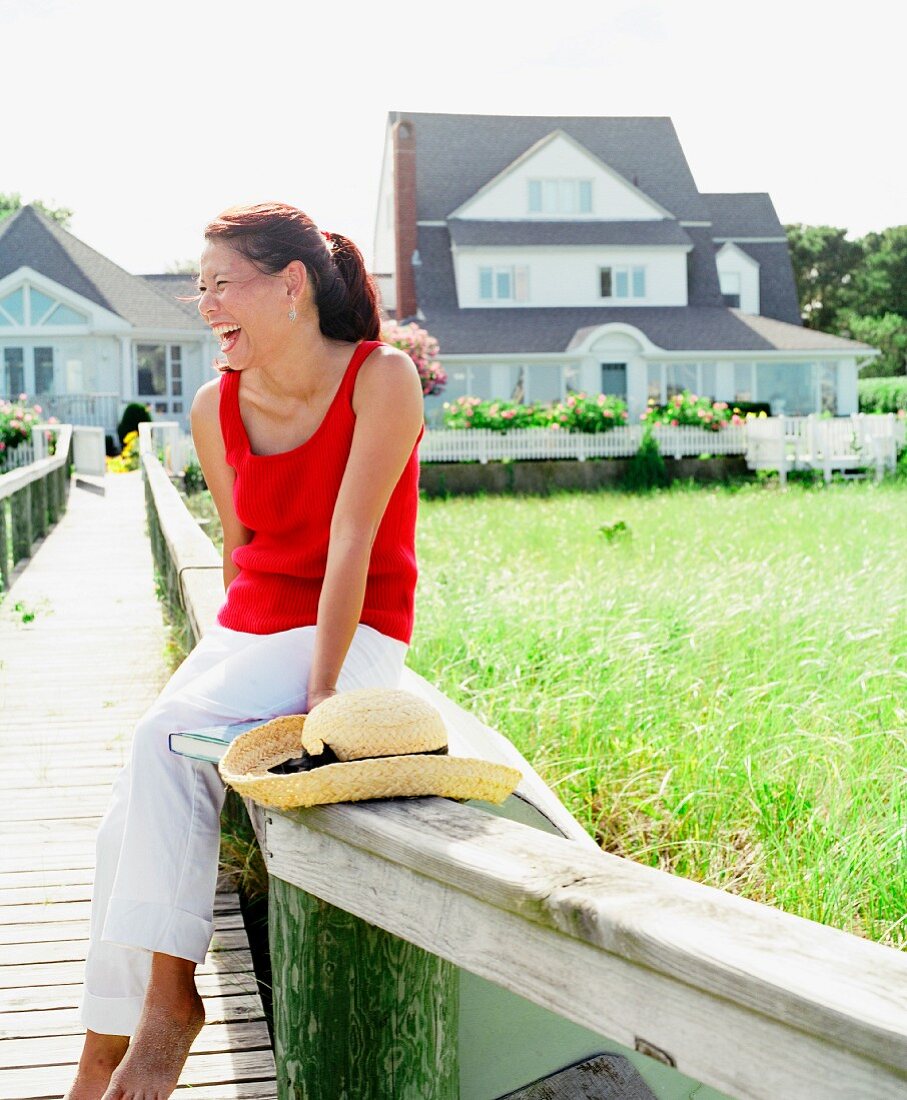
[371, 722]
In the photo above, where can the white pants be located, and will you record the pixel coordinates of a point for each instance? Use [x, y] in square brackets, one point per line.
[157, 846]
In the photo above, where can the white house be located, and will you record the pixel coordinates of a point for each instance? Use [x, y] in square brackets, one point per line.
[558, 254]
[83, 337]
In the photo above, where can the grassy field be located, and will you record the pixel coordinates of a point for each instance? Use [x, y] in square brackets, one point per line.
[718, 689]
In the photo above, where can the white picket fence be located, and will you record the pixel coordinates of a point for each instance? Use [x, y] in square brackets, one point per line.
[483, 445]
[848, 445]
[781, 443]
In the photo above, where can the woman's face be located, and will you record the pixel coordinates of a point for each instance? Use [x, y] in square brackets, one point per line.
[245, 308]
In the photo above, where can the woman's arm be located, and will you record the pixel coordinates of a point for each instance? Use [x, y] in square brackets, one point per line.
[219, 475]
[389, 412]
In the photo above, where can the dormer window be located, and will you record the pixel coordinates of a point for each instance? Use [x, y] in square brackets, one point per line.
[560, 196]
[622, 282]
[730, 288]
[504, 284]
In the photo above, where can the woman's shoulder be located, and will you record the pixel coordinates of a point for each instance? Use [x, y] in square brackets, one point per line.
[386, 365]
[206, 403]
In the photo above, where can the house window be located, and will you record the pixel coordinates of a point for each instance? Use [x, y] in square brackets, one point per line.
[667, 379]
[36, 308]
[730, 289]
[743, 382]
[504, 284]
[622, 282]
[560, 196]
[14, 371]
[27, 370]
[12, 308]
[44, 370]
[159, 376]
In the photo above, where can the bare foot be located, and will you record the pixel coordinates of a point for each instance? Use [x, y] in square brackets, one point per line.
[172, 1016]
[101, 1055]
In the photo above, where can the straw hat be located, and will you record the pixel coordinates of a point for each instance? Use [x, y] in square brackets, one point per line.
[370, 743]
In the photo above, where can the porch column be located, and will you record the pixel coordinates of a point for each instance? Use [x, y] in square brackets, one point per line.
[127, 382]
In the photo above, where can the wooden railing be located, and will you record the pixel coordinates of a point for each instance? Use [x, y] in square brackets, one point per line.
[33, 497]
[745, 998]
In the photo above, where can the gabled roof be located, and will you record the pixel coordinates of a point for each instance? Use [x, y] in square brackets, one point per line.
[30, 239]
[174, 287]
[456, 155]
[743, 214]
[751, 214]
[664, 231]
[673, 328]
[700, 326]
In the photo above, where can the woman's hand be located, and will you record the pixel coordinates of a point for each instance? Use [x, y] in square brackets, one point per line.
[318, 696]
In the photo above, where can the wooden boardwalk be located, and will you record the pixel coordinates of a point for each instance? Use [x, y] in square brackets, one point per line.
[82, 654]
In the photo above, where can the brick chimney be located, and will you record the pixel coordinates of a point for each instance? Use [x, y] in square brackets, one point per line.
[405, 231]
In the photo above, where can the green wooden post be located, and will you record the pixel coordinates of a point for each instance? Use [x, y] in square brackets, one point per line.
[4, 546]
[38, 507]
[20, 514]
[54, 504]
[357, 1011]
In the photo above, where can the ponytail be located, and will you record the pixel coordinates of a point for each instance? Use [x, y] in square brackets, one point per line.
[348, 304]
[273, 234]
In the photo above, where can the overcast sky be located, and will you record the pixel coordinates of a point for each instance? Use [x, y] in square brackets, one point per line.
[148, 119]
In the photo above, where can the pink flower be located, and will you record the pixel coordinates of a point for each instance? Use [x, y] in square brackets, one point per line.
[601, 399]
[674, 423]
[38, 409]
[508, 414]
[625, 414]
[2, 445]
[52, 420]
[609, 413]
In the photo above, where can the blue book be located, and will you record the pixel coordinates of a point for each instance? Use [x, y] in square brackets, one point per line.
[210, 743]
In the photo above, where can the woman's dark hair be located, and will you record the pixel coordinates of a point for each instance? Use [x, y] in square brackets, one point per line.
[272, 234]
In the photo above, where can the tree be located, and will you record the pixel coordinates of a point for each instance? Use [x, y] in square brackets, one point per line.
[888, 333]
[824, 265]
[11, 201]
[880, 283]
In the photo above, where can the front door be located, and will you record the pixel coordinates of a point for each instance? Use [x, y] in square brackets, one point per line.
[614, 379]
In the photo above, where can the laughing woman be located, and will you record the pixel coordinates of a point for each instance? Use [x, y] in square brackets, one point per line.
[308, 442]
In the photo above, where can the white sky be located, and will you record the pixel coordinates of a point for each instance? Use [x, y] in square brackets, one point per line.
[148, 119]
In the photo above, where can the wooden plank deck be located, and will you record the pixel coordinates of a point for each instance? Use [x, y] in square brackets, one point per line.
[73, 680]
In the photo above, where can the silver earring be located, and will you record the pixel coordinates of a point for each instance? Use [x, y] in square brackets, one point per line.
[292, 313]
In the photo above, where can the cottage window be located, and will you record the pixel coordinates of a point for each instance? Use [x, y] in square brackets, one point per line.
[504, 284]
[27, 370]
[14, 371]
[622, 282]
[667, 379]
[159, 376]
[12, 308]
[560, 196]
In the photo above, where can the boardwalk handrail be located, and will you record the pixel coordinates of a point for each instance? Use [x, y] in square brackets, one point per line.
[746, 998]
[33, 497]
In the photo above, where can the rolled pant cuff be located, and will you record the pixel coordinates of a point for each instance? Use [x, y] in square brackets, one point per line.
[110, 1015]
[154, 927]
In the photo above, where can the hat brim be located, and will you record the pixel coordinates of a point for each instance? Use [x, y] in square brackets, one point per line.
[247, 763]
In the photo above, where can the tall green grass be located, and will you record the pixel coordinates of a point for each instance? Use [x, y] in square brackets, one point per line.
[718, 688]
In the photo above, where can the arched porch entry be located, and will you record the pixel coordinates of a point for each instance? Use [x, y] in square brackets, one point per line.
[614, 362]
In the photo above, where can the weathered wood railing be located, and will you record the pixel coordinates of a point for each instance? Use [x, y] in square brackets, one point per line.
[740, 996]
[33, 497]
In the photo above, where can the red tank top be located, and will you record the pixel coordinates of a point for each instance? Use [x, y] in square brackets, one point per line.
[287, 500]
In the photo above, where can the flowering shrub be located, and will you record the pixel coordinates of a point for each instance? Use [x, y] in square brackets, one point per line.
[687, 410]
[16, 422]
[578, 413]
[128, 459]
[422, 349]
